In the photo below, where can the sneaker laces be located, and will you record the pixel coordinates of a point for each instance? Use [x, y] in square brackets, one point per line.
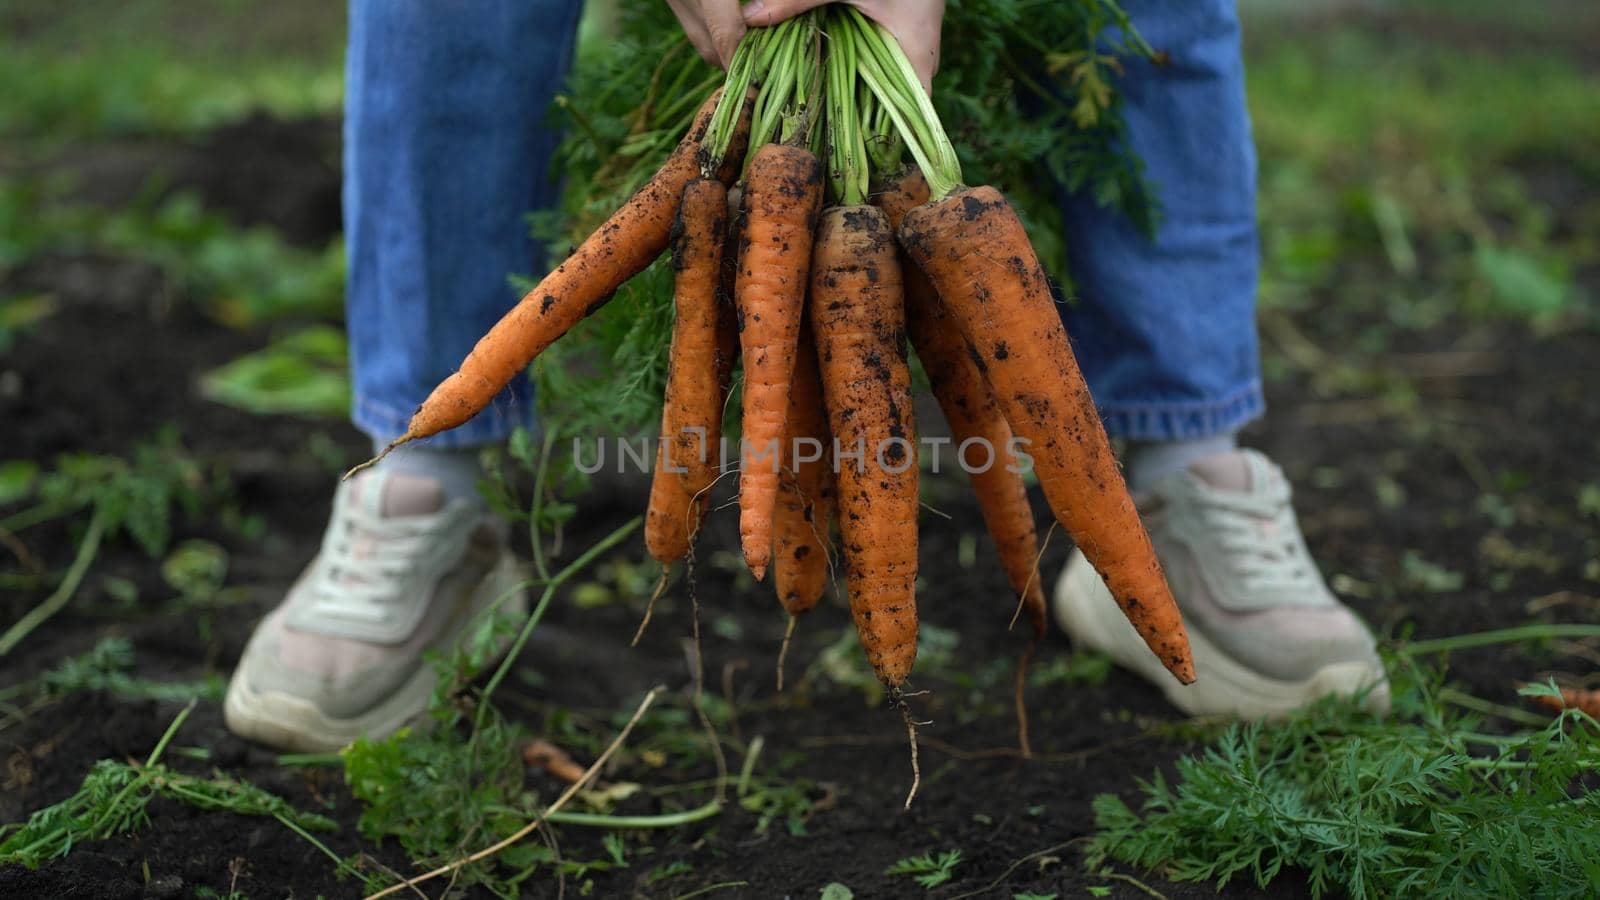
[369, 560]
[1261, 539]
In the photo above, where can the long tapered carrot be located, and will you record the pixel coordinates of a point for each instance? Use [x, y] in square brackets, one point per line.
[974, 417]
[618, 250]
[857, 314]
[977, 256]
[782, 194]
[692, 415]
[673, 512]
[804, 510]
[699, 363]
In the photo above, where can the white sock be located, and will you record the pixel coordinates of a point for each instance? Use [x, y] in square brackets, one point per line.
[1149, 462]
[456, 469]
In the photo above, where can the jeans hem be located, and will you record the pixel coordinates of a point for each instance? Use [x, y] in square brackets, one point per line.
[1184, 421]
[494, 424]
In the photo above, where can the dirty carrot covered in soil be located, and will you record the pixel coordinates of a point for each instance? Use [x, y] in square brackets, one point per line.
[692, 420]
[698, 366]
[973, 414]
[618, 250]
[782, 193]
[674, 512]
[858, 317]
[805, 504]
[977, 256]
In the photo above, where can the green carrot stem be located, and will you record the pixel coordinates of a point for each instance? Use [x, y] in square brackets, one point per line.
[1499, 636]
[667, 820]
[62, 595]
[847, 169]
[741, 72]
[886, 70]
[777, 87]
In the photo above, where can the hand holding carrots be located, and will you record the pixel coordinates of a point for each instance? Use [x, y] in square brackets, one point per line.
[714, 27]
[914, 23]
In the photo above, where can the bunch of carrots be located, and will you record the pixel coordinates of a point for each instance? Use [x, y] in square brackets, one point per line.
[805, 249]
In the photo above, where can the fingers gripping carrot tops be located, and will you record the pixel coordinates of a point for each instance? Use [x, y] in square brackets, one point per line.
[782, 193]
[804, 508]
[978, 257]
[618, 250]
[857, 314]
[692, 419]
[973, 415]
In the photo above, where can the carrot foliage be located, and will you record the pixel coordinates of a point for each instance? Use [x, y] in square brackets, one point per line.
[1423, 803]
[1028, 96]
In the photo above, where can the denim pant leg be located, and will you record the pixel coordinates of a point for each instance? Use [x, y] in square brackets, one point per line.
[1165, 329]
[445, 154]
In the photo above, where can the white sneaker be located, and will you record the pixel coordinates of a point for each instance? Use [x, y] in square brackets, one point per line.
[401, 572]
[1267, 634]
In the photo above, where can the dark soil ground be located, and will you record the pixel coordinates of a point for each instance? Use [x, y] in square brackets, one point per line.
[121, 358]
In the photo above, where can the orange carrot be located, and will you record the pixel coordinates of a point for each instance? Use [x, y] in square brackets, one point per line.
[978, 258]
[804, 509]
[1586, 700]
[972, 413]
[858, 316]
[618, 250]
[673, 512]
[782, 192]
[692, 415]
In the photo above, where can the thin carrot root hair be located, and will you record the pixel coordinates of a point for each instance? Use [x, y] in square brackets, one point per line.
[1019, 698]
[388, 448]
[783, 649]
[650, 608]
[1039, 625]
[899, 699]
[700, 688]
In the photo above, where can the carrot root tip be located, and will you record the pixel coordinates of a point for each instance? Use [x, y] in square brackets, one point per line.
[783, 650]
[404, 438]
[911, 735]
[650, 608]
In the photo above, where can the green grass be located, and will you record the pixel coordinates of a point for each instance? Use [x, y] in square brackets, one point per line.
[1358, 101]
[1394, 176]
[101, 67]
[240, 276]
[141, 497]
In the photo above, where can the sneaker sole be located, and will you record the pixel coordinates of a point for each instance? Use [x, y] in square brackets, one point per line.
[296, 724]
[1086, 611]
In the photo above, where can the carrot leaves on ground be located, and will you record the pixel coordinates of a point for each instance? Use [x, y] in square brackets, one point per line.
[115, 796]
[1426, 800]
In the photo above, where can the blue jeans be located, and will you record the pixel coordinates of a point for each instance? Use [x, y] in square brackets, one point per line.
[445, 155]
